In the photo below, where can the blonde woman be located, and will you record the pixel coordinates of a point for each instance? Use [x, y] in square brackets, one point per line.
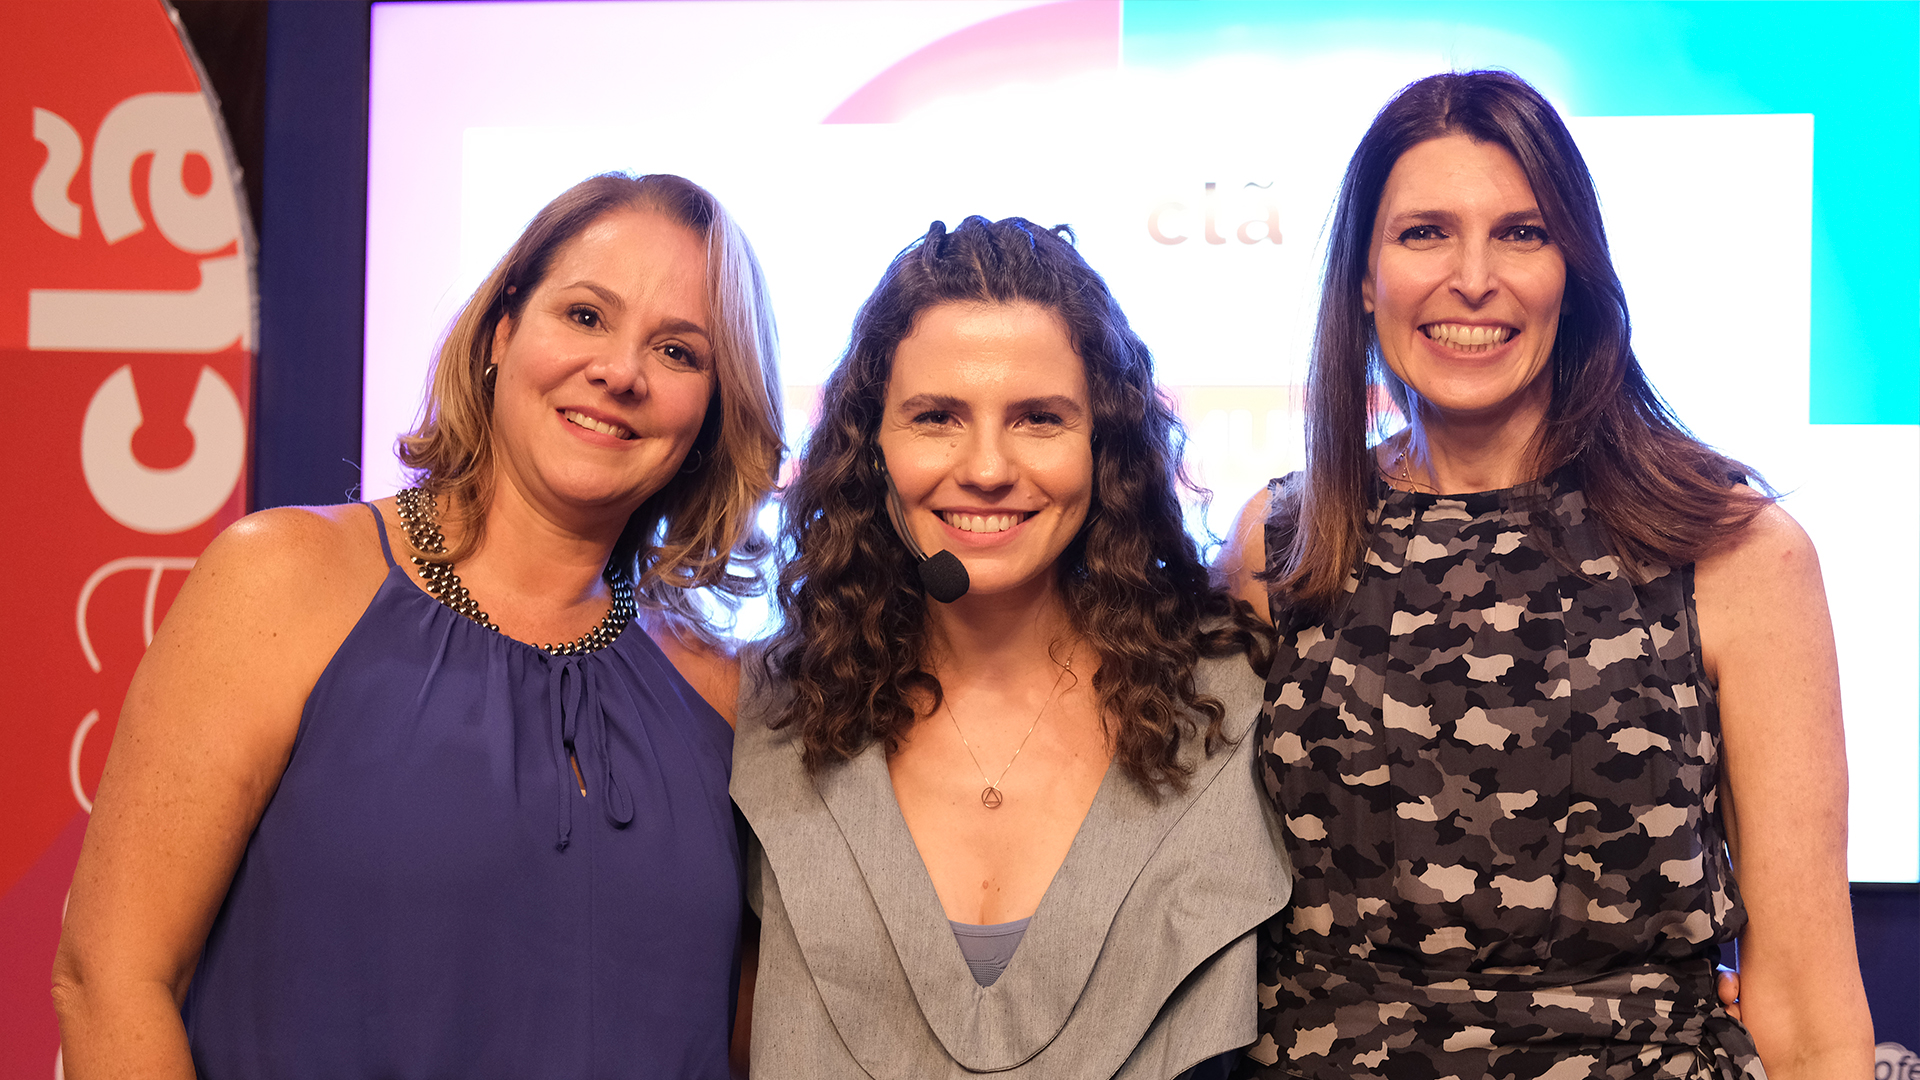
[437, 785]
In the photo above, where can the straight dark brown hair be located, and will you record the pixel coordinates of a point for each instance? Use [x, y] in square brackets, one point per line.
[1661, 495]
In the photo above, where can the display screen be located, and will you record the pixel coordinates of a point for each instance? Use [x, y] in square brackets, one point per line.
[1196, 149]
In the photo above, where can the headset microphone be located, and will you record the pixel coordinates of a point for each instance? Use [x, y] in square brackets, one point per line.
[942, 574]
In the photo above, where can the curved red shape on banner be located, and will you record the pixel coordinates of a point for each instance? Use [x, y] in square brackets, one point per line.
[126, 306]
[1031, 45]
[31, 911]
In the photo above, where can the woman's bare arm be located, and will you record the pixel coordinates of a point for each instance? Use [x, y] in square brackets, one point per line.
[1246, 554]
[201, 742]
[1768, 644]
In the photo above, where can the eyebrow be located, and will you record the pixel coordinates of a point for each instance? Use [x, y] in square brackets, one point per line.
[939, 402]
[1518, 217]
[612, 300]
[1054, 403]
[683, 326]
[607, 296]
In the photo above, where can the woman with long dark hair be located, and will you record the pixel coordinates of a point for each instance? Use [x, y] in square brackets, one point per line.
[1555, 714]
[1004, 799]
[435, 785]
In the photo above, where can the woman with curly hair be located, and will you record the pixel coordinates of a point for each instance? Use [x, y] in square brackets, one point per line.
[1011, 826]
[435, 785]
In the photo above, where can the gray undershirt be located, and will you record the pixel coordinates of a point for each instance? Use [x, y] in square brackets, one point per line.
[988, 948]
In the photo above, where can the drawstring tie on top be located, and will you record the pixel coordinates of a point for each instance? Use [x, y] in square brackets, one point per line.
[570, 697]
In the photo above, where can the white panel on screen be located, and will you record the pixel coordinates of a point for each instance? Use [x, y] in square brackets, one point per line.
[1710, 219]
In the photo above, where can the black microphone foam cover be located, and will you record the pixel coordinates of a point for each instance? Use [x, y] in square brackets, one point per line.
[945, 577]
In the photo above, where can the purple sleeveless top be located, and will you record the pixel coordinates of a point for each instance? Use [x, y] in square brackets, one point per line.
[428, 894]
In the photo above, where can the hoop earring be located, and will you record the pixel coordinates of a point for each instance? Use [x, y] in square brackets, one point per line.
[695, 459]
[488, 376]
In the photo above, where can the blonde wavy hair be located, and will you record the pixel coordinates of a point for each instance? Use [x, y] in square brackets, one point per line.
[700, 530]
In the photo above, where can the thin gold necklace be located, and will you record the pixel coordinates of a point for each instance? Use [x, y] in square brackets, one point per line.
[991, 796]
[1405, 466]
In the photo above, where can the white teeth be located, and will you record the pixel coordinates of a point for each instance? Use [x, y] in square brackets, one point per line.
[982, 523]
[600, 426]
[1475, 338]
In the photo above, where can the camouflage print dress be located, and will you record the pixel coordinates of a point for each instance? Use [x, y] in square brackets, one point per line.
[1498, 772]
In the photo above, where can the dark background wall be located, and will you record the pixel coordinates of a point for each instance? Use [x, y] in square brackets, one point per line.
[292, 81]
[291, 76]
[1886, 926]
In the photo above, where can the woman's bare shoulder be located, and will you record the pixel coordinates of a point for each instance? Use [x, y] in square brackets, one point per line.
[711, 667]
[306, 549]
[1771, 545]
[321, 563]
[1760, 596]
[263, 611]
[306, 529]
[1245, 554]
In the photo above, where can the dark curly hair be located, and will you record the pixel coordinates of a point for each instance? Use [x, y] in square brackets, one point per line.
[854, 644]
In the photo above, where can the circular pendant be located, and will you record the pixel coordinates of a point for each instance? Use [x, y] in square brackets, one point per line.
[990, 798]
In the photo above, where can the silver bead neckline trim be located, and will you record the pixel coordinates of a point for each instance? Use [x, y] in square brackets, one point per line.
[419, 520]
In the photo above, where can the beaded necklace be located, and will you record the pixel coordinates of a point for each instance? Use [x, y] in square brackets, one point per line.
[418, 519]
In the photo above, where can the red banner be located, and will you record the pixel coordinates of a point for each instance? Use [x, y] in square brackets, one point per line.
[126, 331]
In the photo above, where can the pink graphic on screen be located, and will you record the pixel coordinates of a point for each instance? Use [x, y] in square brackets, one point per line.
[1040, 43]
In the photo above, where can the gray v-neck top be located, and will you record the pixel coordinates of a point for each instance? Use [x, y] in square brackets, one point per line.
[1138, 964]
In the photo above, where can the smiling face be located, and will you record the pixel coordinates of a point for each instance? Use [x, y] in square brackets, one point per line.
[1465, 284]
[987, 434]
[605, 376]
